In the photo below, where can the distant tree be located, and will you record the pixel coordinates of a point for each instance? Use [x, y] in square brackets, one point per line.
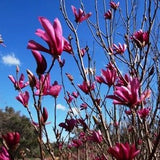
[12, 121]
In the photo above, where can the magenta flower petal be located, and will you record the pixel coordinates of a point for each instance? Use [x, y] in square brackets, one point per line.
[36, 46]
[58, 35]
[4, 155]
[80, 16]
[48, 28]
[54, 90]
[41, 62]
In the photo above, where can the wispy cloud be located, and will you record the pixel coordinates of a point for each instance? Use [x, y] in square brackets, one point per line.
[75, 111]
[10, 60]
[61, 107]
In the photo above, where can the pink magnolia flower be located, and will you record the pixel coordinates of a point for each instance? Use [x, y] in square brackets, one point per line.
[108, 76]
[123, 151]
[76, 143]
[80, 15]
[129, 94]
[69, 98]
[4, 155]
[111, 66]
[86, 87]
[128, 112]
[96, 136]
[120, 49]
[69, 124]
[83, 106]
[114, 5]
[99, 79]
[23, 98]
[41, 62]
[52, 35]
[45, 88]
[11, 139]
[141, 38]
[67, 47]
[143, 113]
[123, 80]
[18, 84]
[54, 89]
[108, 14]
[75, 94]
[82, 136]
[42, 85]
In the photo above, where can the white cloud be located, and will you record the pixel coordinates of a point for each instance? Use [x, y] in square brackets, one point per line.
[10, 60]
[75, 111]
[61, 107]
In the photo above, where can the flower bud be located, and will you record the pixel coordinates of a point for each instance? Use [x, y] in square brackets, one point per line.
[32, 79]
[44, 116]
[41, 62]
[70, 77]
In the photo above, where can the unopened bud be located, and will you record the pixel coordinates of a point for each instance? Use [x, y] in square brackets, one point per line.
[70, 37]
[32, 79]
[1, 40]
[70, 77]
[44, 116]
[17, 69]
[87, 48]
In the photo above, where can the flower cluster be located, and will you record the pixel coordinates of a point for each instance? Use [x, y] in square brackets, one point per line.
[114, 6]
[141, 38]
[108, 76]
[18, 84]
[129, 94]
[123, 151]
